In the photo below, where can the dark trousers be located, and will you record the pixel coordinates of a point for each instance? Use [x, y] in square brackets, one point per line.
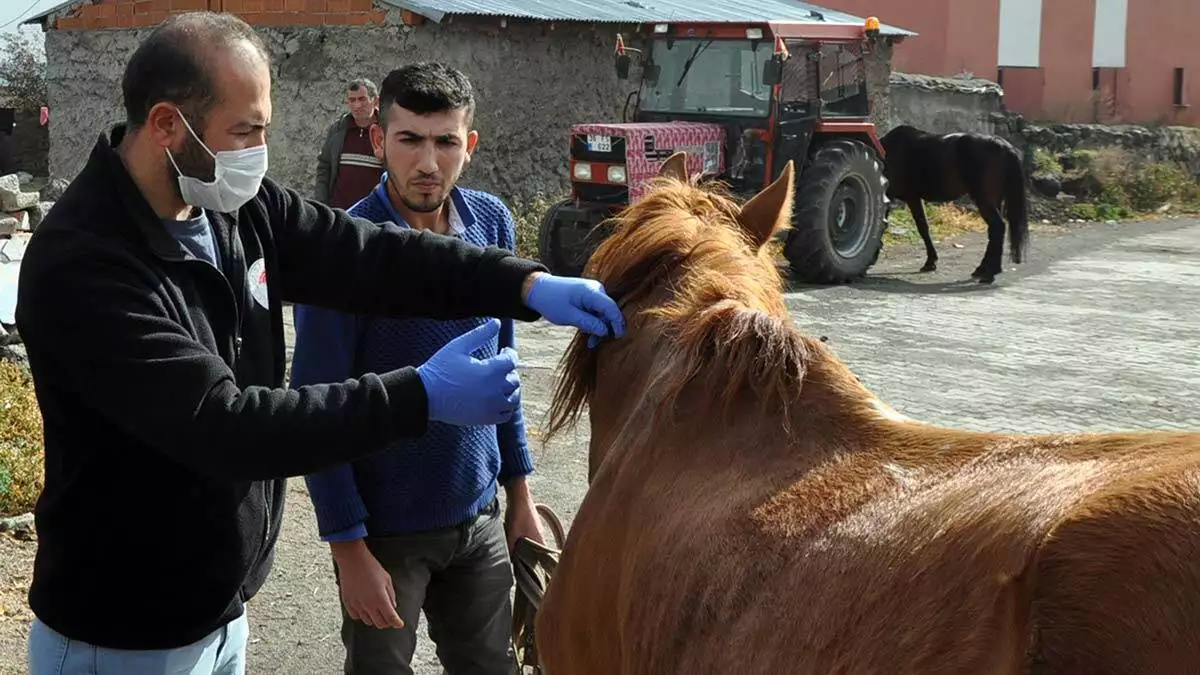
[461, 576]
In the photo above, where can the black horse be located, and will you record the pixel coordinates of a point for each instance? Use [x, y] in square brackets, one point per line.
[942, 168]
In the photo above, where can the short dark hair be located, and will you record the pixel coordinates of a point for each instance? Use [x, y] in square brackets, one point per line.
[427, 87]
[363, 83]
[175, 64]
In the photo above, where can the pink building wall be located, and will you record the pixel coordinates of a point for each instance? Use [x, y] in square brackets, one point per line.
[958, 36]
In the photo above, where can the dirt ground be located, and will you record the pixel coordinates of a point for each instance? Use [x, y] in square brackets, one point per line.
[294, 622]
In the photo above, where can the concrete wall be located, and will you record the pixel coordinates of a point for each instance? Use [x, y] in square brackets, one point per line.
[532, 82]
[27, 148]
[945, 105]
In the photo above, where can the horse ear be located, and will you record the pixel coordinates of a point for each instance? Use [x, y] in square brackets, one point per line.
[770, 210]
[675, 167]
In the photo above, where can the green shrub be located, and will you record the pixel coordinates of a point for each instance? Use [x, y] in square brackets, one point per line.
[21, 475]
[1046, 164]
[529, 215]
[1128, 186]
[1085, 211]
[1156, 183]
[1113, 212]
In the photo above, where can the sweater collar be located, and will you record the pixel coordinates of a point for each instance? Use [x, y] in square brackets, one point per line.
[461, 216]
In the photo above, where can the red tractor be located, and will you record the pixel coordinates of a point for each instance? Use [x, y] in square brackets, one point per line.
[742, 100]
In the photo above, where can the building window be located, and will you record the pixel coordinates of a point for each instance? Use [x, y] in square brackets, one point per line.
[1000, 77]
[1178, 88]
[1095, 79]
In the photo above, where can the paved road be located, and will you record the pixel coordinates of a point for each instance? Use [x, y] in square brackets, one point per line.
[1099, 331]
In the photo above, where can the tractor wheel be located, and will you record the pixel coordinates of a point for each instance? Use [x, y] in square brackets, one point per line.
[838, 220]
[552, 252]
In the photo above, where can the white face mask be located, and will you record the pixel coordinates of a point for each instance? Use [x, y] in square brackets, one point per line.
[236, 179]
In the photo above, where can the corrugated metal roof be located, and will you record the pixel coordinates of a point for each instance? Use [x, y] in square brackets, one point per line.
[615, 11]
[641, 11]
[38, 18]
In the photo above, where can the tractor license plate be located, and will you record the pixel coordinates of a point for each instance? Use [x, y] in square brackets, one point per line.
[599, 143]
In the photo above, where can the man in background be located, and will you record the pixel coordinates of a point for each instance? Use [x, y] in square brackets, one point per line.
[418, 525]
[347, 168]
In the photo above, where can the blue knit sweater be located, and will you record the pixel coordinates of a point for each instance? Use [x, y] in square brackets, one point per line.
[448, 475]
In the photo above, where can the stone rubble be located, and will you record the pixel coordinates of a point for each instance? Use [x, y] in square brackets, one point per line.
[26, 208]
[21, 211]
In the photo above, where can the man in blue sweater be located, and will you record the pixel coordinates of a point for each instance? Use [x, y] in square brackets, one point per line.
[418, 525]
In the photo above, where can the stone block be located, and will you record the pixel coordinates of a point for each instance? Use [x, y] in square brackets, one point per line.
[10, 185]
[18, 201]
[8, 224]
[54, 189]
[37, 213]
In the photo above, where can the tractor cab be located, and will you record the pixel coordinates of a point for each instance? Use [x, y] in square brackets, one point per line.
[741, 99]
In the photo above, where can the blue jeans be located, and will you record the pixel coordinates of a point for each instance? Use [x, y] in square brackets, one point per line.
[221, 652]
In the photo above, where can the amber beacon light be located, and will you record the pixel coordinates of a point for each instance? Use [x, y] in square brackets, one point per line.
[871, 27]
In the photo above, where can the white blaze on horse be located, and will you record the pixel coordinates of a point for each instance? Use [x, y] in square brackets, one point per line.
[753, 509]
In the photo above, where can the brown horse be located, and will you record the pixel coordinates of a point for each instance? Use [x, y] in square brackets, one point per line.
[753, 509]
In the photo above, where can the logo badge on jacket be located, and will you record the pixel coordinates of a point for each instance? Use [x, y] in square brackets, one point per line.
[257, 280]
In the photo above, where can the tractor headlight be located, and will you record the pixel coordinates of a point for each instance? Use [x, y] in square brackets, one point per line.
[583, 171]
[616, 174]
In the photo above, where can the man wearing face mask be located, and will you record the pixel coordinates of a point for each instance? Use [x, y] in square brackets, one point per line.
[150, 302]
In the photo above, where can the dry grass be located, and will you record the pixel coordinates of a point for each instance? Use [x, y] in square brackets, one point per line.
[945, 221]
[21, 476]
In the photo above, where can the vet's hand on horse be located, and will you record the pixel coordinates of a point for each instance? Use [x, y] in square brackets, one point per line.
[366, 587]
[582, 303]
[467, 391]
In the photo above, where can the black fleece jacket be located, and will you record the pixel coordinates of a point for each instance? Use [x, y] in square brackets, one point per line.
[168, 431]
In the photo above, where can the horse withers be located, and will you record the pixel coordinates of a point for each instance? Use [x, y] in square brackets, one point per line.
[753, 509]
[921, 166]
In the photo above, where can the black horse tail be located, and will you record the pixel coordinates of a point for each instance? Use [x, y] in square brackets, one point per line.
[1016, 205]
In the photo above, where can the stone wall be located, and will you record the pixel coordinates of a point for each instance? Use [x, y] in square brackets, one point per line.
[532, 82]
[944, 105]
[28, 148]
[1174, 143]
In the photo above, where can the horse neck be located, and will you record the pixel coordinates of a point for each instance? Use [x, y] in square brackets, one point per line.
[829, 408]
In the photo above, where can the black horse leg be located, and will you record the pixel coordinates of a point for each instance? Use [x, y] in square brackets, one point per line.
[918, 214]
[990, 266]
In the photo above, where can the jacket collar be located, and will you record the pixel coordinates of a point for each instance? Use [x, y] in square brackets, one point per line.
[347, 119]
[106, 166]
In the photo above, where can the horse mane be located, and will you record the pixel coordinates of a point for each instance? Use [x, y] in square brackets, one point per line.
[725, 320]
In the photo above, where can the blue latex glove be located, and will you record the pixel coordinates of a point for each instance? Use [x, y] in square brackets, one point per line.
[582, 303]
[467, 391]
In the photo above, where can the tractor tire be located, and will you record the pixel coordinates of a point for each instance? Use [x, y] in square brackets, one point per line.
[551, 251]
[838, 219]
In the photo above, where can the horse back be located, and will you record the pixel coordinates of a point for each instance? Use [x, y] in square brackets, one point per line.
[943, 168]
[934, 563]
[1118, 579]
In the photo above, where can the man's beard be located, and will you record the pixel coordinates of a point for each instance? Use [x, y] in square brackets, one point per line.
[428, 203]
[192, 161]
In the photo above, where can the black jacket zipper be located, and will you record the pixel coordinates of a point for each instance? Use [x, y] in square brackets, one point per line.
[228, 258]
